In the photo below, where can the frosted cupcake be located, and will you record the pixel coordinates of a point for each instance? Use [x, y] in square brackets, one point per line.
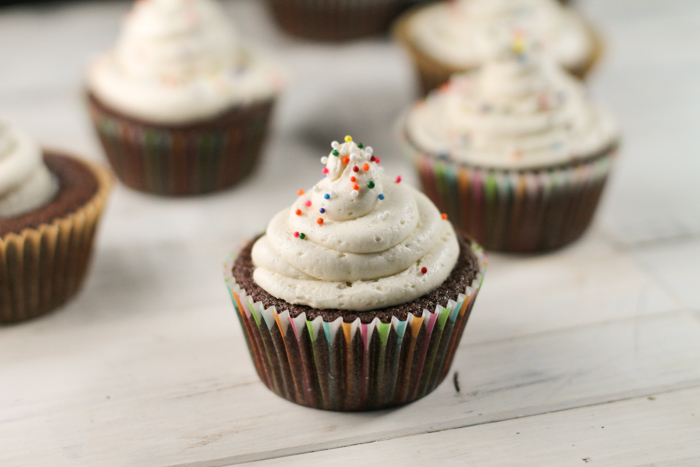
[357, 295]
[334, 20]
[445, 38]
[50, 205]
[180, 106]
[514, 153]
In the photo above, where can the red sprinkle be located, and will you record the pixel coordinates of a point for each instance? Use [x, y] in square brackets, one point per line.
[398, 179]
[377, 160]
[356, 187]
[296, 234]
[319, 221]
[346, 159]
[324, 171]
[298, 212]
[365, 167]
[373, 159]
[423, 270]
[356, 169]
[353, 179]
[444, 216]
[300, 192]
[308, 203]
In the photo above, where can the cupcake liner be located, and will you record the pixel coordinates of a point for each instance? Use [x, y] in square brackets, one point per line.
[432, 73]
[352, 366]
[183, 160]
[42, 268]
[515, 211]
[334, 20]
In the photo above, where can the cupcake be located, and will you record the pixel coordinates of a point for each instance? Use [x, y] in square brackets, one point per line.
[513, 152]
[50, 205]
[334, 20]
[180, 107]
[357, 295]
[445, 38]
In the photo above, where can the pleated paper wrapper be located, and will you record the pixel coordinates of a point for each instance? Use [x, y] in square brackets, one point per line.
[183, 160]
[352, 366]
[42, 268]
[334, 20]
[432, 73]
[514, 211]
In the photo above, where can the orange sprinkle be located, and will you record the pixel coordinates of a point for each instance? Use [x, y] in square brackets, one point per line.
[444, 216]
[356, 187]
[353, 179]
[365, 167]
[298, 212]
[300, 192]
[319, 221]
[346, 159]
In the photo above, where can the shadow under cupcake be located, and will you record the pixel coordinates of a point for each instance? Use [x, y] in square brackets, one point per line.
[180, 107]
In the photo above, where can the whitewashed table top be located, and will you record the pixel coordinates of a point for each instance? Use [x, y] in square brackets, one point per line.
[590, 355]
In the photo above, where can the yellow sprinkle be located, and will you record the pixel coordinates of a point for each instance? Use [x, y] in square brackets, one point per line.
[518, 46]
[348, 138]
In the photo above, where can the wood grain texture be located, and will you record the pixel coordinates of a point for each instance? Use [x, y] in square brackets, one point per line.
[148, 367]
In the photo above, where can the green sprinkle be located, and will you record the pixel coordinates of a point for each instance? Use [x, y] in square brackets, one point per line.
[360, 145]
[335, 152]
[370, 184]
[302, 236]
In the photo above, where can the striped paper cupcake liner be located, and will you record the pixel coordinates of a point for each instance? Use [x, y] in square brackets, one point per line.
[42, 268]
[515, 211]
[334, 20]
[352, 366]
[432, 73]
[186, 160]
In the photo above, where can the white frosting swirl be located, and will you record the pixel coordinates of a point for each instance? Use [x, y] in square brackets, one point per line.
[25, 181]
[517, 111]
[179, 61]
[453, 31]
[368, 253]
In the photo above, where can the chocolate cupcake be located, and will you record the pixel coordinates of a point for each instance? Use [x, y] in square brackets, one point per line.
[334, 20]
[445, 38]
[356, 297]
[181, 108]
[50, 205]
[514, 152]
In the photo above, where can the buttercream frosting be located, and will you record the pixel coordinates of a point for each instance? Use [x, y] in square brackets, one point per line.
[25, 181]
[357, 240]
[452, 31]
[519, 110]
[178, 61]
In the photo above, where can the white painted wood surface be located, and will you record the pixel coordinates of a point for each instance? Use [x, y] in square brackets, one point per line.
[148, 366]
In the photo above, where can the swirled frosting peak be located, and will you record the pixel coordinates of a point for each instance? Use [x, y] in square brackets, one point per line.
[519, 110]
[451, 31]
[357, 240]
[177, 61]
[25, 181]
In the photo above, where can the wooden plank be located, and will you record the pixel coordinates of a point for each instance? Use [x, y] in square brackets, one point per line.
[663, 429]
[181, 405]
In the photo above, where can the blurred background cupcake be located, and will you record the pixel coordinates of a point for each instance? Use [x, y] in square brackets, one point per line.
[179, 105]
[357, 295]
[334, 20]
[442, 38]
[50, 205]
[513, 152]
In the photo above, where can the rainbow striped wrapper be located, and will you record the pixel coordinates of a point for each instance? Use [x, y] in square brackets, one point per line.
[334, 20]
[352, 366]
[183, 160]
[515, 211]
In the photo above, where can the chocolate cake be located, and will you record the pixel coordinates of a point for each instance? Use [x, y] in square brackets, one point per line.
[77, 185]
